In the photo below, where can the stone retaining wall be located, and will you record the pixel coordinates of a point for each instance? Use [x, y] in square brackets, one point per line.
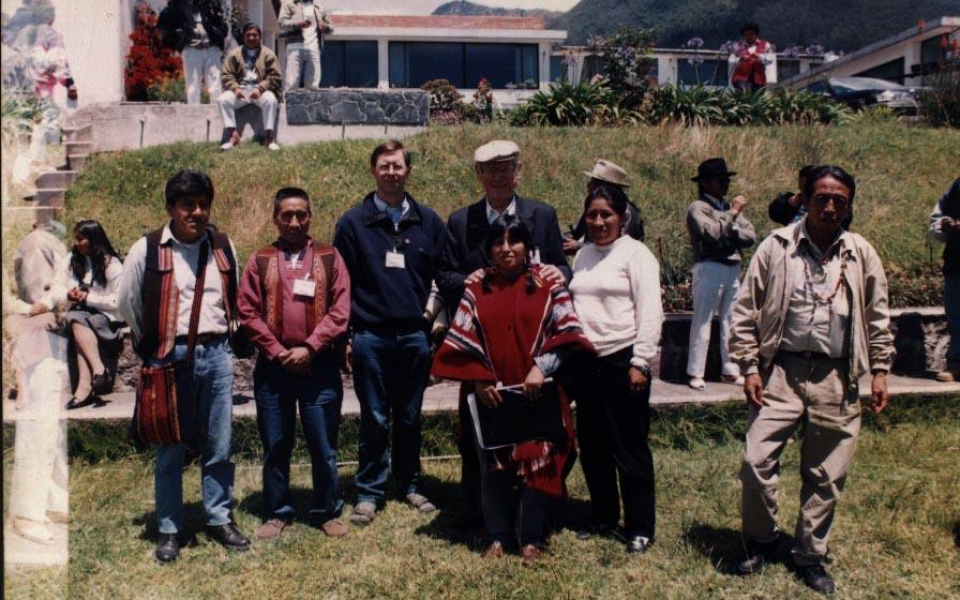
[920, 338]
[372, 107]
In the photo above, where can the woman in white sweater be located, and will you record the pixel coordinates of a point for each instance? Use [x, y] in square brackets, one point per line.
[93, 318]
[616, 291]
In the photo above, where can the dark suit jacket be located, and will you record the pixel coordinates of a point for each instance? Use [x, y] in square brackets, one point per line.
[467, 228]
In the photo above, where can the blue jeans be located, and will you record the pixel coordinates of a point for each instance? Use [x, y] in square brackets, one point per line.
[951, 306]
[213, 383]
[390, 372]
[278, 392]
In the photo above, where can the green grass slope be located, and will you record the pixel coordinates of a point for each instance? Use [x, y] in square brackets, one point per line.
[901, 172]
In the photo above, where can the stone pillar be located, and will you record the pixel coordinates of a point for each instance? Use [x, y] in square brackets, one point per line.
[383, 64]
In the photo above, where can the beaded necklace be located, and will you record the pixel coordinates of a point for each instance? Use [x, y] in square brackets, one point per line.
[817, 298]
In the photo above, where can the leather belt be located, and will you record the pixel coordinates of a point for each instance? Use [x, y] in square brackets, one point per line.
[810, 355]
[203, 339]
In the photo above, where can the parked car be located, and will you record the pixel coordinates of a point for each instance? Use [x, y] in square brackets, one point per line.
[858, 92]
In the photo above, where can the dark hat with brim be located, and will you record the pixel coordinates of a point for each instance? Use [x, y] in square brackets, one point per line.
[712, 167]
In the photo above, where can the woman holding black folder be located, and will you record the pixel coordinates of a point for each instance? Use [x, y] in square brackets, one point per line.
[616, 291]
[514, 328]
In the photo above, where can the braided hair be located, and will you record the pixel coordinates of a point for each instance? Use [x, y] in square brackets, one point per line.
[515, 231]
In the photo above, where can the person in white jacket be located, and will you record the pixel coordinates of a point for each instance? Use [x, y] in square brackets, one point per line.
[92, 319]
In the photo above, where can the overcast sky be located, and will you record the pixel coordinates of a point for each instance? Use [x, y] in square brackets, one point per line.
[425, 7]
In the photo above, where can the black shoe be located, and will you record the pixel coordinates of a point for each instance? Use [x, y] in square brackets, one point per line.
[758, 554]
[168, 548]
[638, 544]
[75, 403]
[101, 383]
[602, 531]
[817, 579]
[228, 536]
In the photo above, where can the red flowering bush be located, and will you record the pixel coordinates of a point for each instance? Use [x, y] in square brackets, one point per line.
[149, 63]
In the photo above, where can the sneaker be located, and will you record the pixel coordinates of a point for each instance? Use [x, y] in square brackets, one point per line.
[697, 383]
[271, 529]
[364, 513]
[733, 379]
[233, 141]
[817, 579]
[638, 544]
[273, 146]
[335, 529]
[168, 548]
[228, 536]
[758, 554]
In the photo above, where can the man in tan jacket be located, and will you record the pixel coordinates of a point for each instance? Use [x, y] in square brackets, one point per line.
[811, 319]
[251, 74]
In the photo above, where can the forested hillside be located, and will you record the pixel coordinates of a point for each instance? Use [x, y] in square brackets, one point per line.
[835, 24]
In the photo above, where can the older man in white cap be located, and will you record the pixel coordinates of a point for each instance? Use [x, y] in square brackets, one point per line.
[611, 176]
[498, 168]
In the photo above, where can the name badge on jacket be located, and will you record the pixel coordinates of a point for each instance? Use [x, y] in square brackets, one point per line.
[304, 287]
[396, 260]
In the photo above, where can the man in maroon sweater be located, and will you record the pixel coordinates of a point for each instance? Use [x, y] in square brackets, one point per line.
[294, 304]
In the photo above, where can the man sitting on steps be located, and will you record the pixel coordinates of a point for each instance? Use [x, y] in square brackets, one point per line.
[251, 74]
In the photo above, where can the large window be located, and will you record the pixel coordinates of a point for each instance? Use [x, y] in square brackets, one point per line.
[891, 71]
[350, 64]
[710, 72]
[414, 63]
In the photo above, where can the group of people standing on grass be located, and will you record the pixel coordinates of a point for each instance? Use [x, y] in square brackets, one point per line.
[809, 318]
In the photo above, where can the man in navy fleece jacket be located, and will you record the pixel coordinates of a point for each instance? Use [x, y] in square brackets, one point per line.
[392, 246]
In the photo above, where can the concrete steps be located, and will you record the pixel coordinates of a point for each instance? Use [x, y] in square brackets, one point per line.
[56, 179]
[52, 187]
[77, 161]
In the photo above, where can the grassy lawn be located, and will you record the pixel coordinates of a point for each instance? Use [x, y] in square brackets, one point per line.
[894, 536]
[901, 172]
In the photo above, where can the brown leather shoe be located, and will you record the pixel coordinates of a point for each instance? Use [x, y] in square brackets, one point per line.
[529, 555]
[335, 529]
[494, 550]
[271, 529]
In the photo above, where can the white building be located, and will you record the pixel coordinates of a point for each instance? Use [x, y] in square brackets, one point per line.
[373, 51]
[906, 58]
[683, 66]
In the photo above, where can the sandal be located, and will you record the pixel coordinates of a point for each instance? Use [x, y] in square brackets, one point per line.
[364, 513]
[421, 503]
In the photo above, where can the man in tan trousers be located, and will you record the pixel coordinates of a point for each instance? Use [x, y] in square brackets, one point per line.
[811, 319]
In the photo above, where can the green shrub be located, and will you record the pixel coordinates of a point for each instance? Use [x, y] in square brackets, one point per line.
[565, 104]
[443, 95]
[626, 58]
[940, 105]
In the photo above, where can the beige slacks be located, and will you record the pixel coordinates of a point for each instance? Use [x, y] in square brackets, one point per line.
[800, 388]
